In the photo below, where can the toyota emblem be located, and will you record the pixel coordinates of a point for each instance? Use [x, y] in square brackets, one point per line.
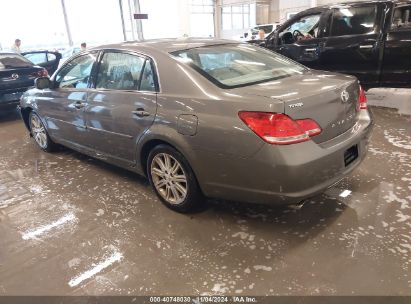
[15, 76]
[345, 96]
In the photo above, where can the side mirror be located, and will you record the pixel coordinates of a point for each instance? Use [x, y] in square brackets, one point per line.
[42, 83]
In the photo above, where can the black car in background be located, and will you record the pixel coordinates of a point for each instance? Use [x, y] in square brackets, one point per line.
[46, 59]
[367, 39]
[17, 74]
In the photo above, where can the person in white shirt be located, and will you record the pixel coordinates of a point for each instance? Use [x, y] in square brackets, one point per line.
[16, 46]
[83, 46]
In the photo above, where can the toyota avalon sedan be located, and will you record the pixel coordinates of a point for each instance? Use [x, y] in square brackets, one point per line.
[205, 118]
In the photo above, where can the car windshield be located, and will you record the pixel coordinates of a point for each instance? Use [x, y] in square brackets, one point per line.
[11, 61]
[234, 65]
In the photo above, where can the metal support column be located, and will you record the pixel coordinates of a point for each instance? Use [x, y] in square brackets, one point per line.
[138, 22]
[70, 40]
[130, 15]
[120, 3]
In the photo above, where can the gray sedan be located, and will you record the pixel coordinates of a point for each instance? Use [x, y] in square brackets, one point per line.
[205, 118]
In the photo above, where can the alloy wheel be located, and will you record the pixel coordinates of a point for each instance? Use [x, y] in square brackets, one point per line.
[169, 178]
[38, 131]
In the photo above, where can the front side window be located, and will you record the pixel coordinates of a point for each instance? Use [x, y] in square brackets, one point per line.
[305, 25]
[234, 65]
[76, 73]
[354, 20]
[120, 71]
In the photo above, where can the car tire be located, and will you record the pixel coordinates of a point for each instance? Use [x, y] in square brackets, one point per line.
[39, 133]
[173, 180]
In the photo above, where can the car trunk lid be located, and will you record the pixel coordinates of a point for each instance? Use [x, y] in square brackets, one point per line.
[18, 78]
[329, 99]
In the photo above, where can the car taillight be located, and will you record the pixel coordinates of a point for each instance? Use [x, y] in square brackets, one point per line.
[280, 129]
[309, 126]
[362, 99]
[41, 73]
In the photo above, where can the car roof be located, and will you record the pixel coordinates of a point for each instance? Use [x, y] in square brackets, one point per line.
[364, 2]
[168, 45]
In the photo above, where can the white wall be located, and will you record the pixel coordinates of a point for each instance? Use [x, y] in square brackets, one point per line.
[38, 29]
[174, 18]
[292, 6]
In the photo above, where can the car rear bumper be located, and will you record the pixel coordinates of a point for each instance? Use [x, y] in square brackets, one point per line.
[290, 174]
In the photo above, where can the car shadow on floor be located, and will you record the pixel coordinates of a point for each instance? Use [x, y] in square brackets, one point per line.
[313, 218]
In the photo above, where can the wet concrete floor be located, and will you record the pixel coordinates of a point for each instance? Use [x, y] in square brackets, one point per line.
[72, 225]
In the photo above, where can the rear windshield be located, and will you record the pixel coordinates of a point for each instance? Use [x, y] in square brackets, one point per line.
[235, 65]
[10, 61]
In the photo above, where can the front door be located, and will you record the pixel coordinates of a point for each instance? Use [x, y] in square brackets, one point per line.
[301, 38]
[63, 105]
[397, 52]
[355, 41]
[123, 105]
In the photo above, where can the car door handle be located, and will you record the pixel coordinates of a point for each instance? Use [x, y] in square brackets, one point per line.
[140, 112]
[79, 105]
[310, 50]
[367, 46]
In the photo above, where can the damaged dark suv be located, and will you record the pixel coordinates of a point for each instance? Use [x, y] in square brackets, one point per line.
[368, 39]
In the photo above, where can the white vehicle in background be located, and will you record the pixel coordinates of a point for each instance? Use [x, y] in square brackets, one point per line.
[252, 33]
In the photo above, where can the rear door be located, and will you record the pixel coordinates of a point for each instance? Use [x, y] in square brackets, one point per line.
[396, 68]
[355, 43]
[123, 105]
[63, 105]
[48, 60]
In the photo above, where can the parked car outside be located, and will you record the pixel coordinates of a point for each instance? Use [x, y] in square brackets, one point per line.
[46, 59]
[17, 74]
[205, 117]
[368, 39]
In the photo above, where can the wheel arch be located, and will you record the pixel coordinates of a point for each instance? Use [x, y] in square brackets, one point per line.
[25, 114]
[174, 140]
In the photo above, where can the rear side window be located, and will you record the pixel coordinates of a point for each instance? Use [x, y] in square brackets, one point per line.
[402, 17]
[147, 78]
[11, 61]
[120, 71]
[51, 57]
[353, 20]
